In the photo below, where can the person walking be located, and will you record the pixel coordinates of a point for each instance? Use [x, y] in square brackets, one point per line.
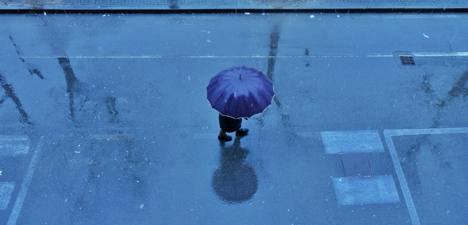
[229, 124]
[236, 93]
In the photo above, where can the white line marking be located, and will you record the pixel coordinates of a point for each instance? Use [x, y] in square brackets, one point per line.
[211, 56]
[440, 54]
[379, 56]
[397, 164]
[25, 185]
[372, 55]
[401, 177]
[401, 132]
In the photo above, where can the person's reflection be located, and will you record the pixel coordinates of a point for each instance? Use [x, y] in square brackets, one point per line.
[234, 182]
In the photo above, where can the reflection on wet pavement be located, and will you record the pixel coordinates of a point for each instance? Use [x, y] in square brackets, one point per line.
[234, 181]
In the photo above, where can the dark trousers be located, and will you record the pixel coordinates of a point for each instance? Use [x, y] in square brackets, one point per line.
[228, 124]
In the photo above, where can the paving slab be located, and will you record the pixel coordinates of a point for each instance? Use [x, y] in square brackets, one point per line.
[371, 190]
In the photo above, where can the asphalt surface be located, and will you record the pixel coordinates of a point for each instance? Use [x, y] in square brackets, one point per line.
[104, 119]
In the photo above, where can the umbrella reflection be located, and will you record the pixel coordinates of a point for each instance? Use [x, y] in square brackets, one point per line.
[234, 182]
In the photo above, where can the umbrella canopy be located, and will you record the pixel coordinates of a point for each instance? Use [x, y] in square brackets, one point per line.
[240, 92]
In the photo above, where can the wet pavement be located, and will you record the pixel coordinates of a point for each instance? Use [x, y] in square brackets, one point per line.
[104, 119]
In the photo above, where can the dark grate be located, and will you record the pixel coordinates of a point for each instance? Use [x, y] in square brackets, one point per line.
[407, 60]
[356, 165]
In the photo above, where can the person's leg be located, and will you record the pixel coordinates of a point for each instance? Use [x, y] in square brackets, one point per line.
[223, 136]
[242, 132]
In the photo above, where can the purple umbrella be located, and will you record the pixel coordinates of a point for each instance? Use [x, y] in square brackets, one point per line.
[240, 92]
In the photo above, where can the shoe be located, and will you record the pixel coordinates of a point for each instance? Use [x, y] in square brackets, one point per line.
[242, 132]
[224, 137]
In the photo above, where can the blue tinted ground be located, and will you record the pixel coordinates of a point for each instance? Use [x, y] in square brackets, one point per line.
[104, 117]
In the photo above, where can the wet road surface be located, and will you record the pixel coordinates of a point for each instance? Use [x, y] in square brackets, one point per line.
[104, 119]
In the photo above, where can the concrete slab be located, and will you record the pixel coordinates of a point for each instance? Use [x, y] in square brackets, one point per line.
[336, 142]
[11, 145]
[356, 191]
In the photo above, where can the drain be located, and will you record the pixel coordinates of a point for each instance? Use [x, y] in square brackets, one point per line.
[407, 60]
